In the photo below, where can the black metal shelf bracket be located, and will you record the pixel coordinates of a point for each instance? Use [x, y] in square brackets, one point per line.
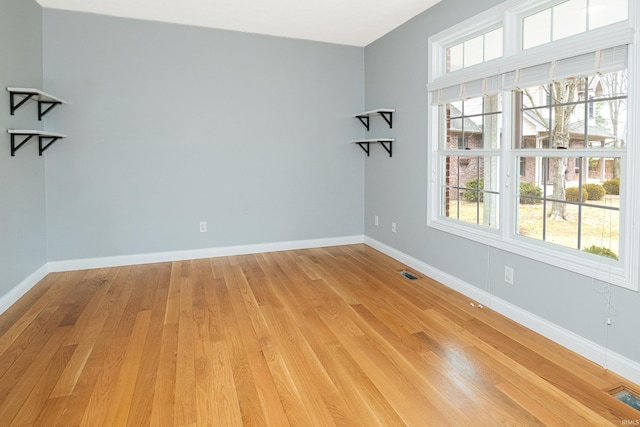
[387, 144]
[14, 146]
[19, 96]
[364, 146]
[42, 147]
[364, 120]
[15, 105]
[45, 139]
[385, 113]
[49, 106]
[388, 148]
[388, 117]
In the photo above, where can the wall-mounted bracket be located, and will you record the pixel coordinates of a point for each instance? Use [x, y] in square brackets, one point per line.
[18, 96]
[385, 113]
[45, 139]
[387, 144]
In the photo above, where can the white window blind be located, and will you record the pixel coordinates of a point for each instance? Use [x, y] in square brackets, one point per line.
[601, 61]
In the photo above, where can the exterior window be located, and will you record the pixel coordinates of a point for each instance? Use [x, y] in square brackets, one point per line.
[476, 50]
[470, 185]
[570, 18]
[523, 166]
[570, 206]
[533, 153]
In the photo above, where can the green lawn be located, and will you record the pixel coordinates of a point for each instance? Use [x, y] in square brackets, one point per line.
[600, 227]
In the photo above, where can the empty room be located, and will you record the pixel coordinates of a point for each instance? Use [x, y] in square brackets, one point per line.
[297, 213]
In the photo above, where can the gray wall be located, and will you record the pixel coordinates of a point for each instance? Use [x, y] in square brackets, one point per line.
[396, 190]
[22, 211]
[171, 125]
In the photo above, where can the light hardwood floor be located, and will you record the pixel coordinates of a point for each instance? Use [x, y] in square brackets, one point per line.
[318, 337]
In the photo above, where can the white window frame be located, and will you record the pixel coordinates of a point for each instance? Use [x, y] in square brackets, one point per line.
[625, 272]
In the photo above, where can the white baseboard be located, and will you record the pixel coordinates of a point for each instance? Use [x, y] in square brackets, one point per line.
[617, 363]
[150, 258]
[116, 261]
[8, 299]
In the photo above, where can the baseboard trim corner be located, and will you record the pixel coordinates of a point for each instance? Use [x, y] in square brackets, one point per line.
[10, 298]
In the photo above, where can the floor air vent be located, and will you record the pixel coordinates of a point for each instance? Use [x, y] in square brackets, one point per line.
[409, 275]
[626, 395]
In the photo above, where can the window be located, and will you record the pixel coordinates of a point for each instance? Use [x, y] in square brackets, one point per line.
[470, 182]
[476, 50]
[570, 207]
[569, 18]
[531, 148]
[522, 167]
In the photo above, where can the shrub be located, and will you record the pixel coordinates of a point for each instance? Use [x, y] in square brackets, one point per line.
[571, 194]
[602, 251]
[471, 195]
[596, 191]
[530, 190]
[612, 186]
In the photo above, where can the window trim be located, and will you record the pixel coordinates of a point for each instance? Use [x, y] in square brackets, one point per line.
[623, 273]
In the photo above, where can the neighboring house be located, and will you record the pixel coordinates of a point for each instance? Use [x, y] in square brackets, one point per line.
[536, 134]
[465, 133]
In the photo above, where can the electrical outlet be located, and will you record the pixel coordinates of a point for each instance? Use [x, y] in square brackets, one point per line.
[508, 275]
[393, 227]
[376, 221]
[203, 226]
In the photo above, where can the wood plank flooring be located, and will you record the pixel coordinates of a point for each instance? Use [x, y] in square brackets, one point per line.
[317, 337]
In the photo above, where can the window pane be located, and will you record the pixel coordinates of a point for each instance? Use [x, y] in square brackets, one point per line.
[448, 133]
[608, 124]
[610, 85]
[536, 29]
[467, 121]
[488, 210]
[563, 232]
[530, 190]
[492, 123]
[455, 109]
[452, 171]
[600, 230]
[535, 127]
[450, 207]
[531, 219]
[469, 189]
[575, 113]
[554, 179]
[477, 50]
[471, 180]
[454, 58]
[605, 12]
[536, 96]
[569, 18]
[610, 114]
[473, 51]
[493, 44]
[577, 210]
[450, 187]
[489, 171]
[473, 106]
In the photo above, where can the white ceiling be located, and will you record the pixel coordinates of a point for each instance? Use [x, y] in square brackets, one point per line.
[350, 22]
